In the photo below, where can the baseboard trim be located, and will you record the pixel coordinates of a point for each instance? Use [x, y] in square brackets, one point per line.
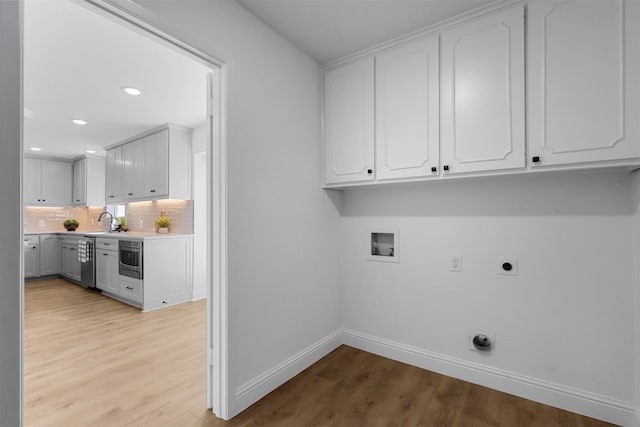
[252, 391]
[557, 395]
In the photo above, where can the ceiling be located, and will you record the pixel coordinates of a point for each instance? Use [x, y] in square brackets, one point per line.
[75, 66]
[330, 29]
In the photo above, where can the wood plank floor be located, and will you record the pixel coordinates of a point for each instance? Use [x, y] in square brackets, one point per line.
[92, 361]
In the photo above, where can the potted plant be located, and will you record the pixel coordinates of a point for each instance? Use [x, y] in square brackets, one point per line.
[162, 223]
[71, 224]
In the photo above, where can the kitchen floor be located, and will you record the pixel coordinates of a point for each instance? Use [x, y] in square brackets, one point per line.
[93, 361]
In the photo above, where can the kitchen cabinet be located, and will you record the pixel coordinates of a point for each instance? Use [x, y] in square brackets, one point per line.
[131, 289]
[132, 170]
[349, 122]
[113, 175]
[70, 264]
[107, 275]
[154, 165]
[49, 255]
[46, 182]
[482, 89]
[407, 116]
[31, 256]
[89, 181]
[583, 94]
[168, 271]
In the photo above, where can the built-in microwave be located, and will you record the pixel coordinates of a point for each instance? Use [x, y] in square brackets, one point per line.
[130, 255]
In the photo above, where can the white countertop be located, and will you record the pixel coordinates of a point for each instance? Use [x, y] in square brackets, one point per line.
[135, 235]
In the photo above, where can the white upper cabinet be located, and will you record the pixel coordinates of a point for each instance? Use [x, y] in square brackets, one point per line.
[47, 182]
[89, 181]
[407, 128]
[113, 175]
[349, 122]
[584, 90]
[155, 164]
[132, 170]
[482, 91]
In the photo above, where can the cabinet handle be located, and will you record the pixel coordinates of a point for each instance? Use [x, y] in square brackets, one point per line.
[445, 167]
[105, 254]
[111, 197]
[130, 288]
[369, 171]
[536, 159]
[434, 169]
[152, 191]
[77, 200]
[129, 194]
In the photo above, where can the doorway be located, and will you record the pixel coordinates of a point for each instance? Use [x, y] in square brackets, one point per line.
[212, 195]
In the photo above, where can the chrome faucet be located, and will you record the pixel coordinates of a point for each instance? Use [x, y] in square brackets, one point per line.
[110, 222]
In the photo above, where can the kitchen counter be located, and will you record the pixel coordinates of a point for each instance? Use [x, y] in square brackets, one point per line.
[131, 235]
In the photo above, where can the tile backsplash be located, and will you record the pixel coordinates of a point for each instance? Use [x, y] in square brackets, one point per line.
[49, 219]
[141, 216]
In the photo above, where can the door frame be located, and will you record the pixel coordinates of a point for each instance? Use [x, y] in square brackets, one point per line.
[139, 19]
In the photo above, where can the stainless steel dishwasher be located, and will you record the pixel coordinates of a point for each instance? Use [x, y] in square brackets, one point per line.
[86, 256]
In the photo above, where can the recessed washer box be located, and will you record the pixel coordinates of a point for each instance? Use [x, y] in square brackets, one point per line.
[383, 245]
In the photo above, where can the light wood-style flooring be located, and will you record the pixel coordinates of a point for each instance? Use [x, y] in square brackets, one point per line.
[93, 361]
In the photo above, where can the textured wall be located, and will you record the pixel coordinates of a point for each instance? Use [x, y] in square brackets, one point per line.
[50, 219]
[141, 216]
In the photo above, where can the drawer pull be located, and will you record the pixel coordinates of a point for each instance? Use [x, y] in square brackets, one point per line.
[130, 288]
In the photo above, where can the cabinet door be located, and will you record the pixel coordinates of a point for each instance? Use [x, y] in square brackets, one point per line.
[49, 255]
[113, 183]
[483, 94]
[80, 182]
[349, 123]
[132, 170]
[131, 289]
[155, 165]
[31, 260]
[71, 266]
[32, 177]
[584, 92]
[107, 275]
[56, 182]
[407, 119]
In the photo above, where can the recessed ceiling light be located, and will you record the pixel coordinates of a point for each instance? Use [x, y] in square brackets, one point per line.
[132, 90]
[79, 122]
[35, 148]
[91, 151]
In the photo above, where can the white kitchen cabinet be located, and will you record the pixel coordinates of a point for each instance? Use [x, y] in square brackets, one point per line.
[155, 164]
[31, 256]
[79, 182]
[407, 116]
[131, 289]
[89, 181]
[349, 123]
[107, 275]
[584, 92]
[168, 271]
[482, 94]
[49, 255]
[132, 170]
[47, 182]
[70, 264]
[113, 175]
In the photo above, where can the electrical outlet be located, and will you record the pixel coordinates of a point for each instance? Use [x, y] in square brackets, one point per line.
[455, 263]
[508, 266]
[40, 223]
[141, 224]
[485, 349]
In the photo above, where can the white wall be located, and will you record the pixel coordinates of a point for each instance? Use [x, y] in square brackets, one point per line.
[636, 235]
[11, 207]
[282, 228]
[567, 319]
